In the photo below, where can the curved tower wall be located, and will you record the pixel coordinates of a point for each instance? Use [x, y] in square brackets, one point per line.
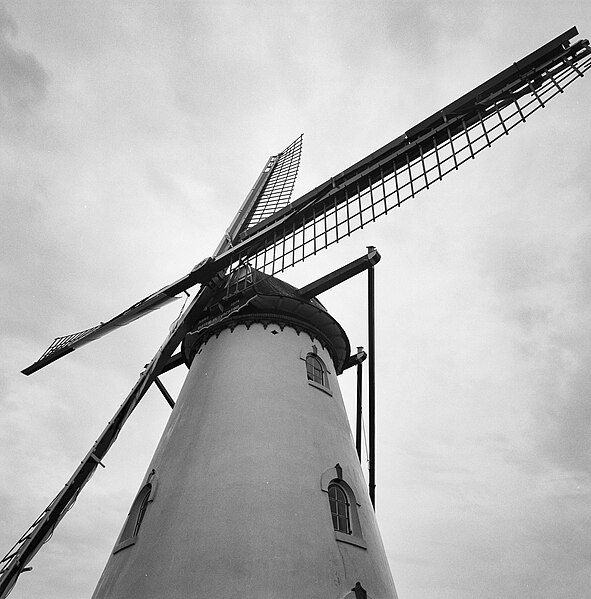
[239, 506]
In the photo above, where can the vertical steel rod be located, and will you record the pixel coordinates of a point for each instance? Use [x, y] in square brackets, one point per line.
[371, 381]
[359, 408]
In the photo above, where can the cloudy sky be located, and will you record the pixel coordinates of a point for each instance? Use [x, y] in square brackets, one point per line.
[130, 133]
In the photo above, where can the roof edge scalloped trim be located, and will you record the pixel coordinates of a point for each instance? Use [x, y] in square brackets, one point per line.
[193, 341]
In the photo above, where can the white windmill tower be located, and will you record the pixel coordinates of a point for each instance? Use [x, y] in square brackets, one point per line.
[255, 489]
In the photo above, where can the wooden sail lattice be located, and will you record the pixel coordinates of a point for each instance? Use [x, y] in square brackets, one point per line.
[278, 188]
[62, 343]
[274, 195]
[408, 165]
[61, 346]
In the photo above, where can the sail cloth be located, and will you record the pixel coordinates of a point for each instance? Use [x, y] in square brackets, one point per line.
[68, 343]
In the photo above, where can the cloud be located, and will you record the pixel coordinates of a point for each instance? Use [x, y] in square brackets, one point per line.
[23, 80]
[541, 285]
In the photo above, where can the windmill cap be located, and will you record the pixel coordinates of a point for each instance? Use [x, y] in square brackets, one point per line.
[268, 299]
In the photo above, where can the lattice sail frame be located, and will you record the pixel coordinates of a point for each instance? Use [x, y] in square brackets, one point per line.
[62, 346]
[408, 165]
[278, 188]
[62, 343]
[277, 183]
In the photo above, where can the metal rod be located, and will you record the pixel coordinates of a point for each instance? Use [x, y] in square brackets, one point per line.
[359, 406]
[341, 274]
[371, 380]
[164, 392]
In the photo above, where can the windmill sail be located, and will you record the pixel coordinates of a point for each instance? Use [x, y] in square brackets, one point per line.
[271, 192]
[413, 162]
[68, 343]
[279, 186]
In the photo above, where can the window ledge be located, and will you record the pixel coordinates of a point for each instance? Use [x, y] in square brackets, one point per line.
[350, 539]
[124, 544]
[319, 386]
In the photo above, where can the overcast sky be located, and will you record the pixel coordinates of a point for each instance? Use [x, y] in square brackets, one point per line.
[130, 133]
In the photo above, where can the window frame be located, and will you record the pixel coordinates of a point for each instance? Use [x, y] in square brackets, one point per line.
[335, 503]
[136, 515]
[315, 369]
[336, 476]
[313, 356]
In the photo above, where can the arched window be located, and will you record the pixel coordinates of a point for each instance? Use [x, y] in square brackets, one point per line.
[316, 370]
[134, 518]
[339, 508]
[143, 504]
[343, 507]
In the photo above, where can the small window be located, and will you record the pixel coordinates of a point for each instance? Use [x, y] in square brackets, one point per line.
[142, 509]
[339, 508]
[343, 507]
[134, 519]
[316, 370]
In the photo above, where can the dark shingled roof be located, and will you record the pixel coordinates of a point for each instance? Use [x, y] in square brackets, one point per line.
[271, 296]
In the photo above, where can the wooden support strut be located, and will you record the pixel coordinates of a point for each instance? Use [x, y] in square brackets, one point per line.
[164, 392]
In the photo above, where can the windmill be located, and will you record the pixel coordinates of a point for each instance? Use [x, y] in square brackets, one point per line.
[267, 237]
